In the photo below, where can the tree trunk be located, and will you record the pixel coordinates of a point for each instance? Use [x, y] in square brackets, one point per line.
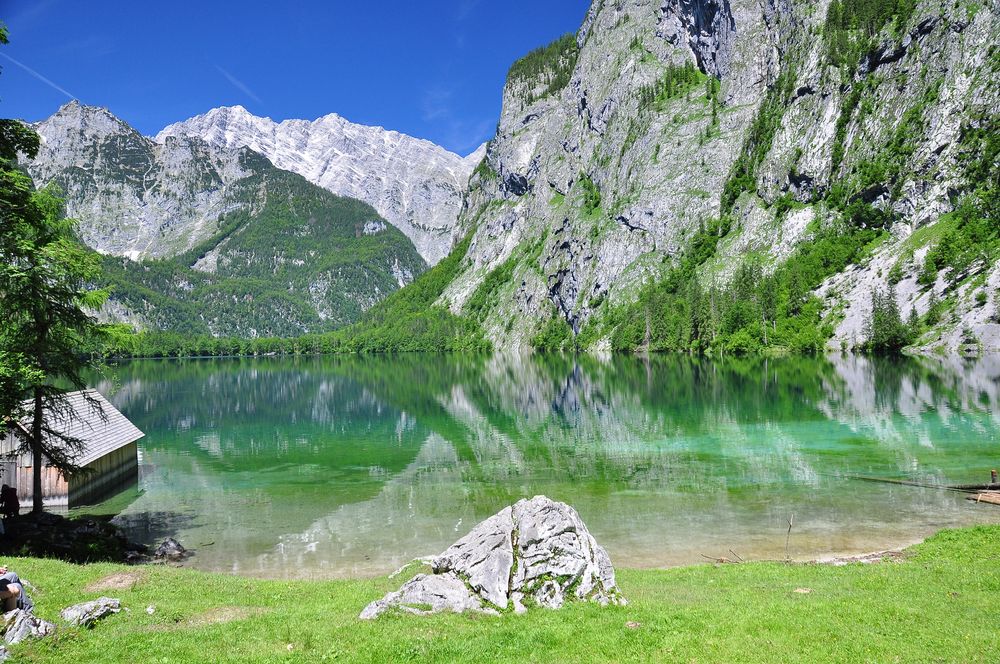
[37, 504]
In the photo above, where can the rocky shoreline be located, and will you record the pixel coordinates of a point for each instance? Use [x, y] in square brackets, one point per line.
[81, 540]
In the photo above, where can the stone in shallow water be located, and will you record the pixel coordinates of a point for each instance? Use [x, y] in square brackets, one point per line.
[86, 614]
[171, 549]
[536, 552]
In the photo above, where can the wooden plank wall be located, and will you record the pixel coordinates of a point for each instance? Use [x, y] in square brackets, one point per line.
[109, 472]
[55, 489]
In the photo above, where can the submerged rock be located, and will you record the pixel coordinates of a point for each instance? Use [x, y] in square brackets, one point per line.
[86, 614]
[171, 550]
[537, 552]
[19, 625]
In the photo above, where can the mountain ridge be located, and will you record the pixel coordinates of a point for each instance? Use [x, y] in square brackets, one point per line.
[207, 240]
[415, 184]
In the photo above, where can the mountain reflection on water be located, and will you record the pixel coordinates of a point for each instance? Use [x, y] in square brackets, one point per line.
[340, 466]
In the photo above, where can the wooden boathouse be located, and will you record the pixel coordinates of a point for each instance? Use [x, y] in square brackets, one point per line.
[109, 452]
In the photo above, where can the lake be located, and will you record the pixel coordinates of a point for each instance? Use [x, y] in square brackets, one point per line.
[349, 466]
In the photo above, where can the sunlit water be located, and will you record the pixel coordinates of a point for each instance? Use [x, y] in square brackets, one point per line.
[347, 466]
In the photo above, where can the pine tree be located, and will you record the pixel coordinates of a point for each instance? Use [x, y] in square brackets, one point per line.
[885, 331]
[44, 294]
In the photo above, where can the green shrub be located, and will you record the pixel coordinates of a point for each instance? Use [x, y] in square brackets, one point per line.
[591, 202]
[551, 66]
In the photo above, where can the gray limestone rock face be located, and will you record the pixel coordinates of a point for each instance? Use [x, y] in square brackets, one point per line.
[558, 556]
[660, 168]
[416, 185]
[537, 552]
[133, 197]
[19, 625]
[86, 614]
[484, 558]
[428, 593]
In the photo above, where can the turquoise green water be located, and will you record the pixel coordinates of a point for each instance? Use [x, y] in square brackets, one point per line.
[352, 466]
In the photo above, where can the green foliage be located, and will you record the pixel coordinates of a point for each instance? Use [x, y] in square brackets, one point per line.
[676, 81]
[303, 263]
[555, 335]
[885, 331]
[936, 308]
[973, 236]
[755, 312]
[784, 204]
[743, 175]
[406, 321]
[549, 66]
[591, 201]
[852, 26]
[895, 273]
[484, 171]
[45, 292]
[487, 294]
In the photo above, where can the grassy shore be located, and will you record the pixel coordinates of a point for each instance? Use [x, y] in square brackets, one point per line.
[935, 604]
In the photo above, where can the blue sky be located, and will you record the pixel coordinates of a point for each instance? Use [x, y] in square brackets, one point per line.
[432, 68]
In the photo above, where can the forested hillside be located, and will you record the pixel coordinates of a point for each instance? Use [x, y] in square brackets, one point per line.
[307, 262]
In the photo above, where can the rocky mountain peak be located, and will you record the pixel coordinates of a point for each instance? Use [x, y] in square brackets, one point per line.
[416, 185]
[84, 122]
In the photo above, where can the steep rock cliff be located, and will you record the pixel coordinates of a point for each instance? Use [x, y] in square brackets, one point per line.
[596, 187]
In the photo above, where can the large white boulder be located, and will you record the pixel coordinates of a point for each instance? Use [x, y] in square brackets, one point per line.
[536, 552]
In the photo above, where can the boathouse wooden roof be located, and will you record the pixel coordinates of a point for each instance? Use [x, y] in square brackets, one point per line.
[102, 429]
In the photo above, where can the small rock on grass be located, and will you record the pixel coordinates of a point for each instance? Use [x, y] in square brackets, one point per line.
[86, 614]
[428, 593]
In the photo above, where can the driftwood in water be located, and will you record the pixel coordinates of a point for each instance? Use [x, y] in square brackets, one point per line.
[967, 488]
[992, 497]
[976, 487]
[885, 480]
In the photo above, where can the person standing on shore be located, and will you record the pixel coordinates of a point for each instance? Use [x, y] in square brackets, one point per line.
[10, 505]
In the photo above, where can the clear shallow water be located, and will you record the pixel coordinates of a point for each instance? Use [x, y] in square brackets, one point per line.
[346, 466]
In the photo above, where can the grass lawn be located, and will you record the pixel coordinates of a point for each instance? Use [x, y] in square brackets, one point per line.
[937, 604]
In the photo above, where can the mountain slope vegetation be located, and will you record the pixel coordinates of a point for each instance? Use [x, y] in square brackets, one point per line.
[307, 261]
